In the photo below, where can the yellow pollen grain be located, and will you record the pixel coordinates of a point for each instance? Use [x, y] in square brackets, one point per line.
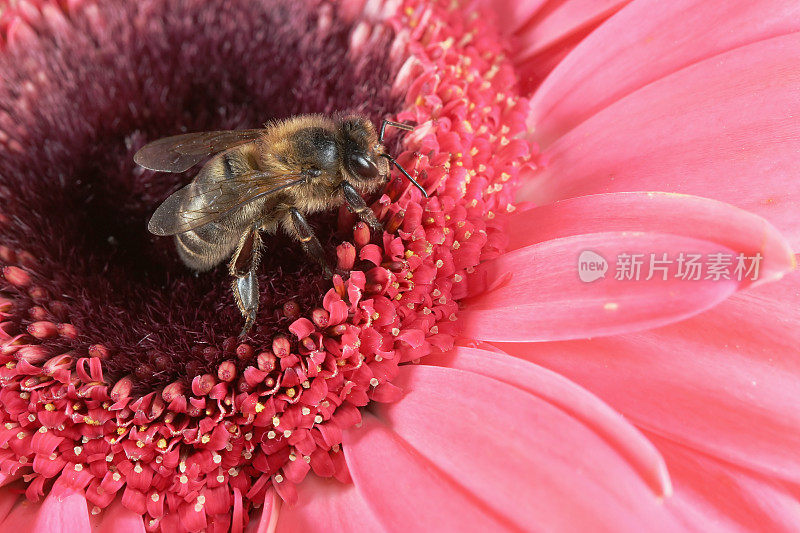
[198, 507]
[305, 411]
[120, 431]
[77, 450]
[439, 263]
[292, 457]
[306, 384]
[611, 306]
[318, 419]
[183, 479]
[49, 407]
[278, 478]
[435, 330]
[220, 478]
[78, 467]
[409, 253]
[217, 458]
[116, 476]
[154, 496]
[290, 392]
[248, 436]
[42, 429]
[53, 457]
[205, 439]
[510, 208]
[457, 278]
[395, 333]
[162, 443]
[21, 435]
[259, 407]
[456, 245]
[374, 382]
[287, 433]
[138, 468]
[139, 444]
[271, 434]
[276, 421]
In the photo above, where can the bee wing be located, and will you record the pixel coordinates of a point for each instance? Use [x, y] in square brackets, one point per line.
[204, 201]
[180, 152]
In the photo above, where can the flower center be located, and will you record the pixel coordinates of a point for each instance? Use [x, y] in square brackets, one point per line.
[121, 369]
[72, 180]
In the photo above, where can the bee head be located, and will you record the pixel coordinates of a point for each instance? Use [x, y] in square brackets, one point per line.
[361, 151]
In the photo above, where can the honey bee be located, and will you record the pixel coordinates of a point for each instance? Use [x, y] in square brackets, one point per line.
[262, 180]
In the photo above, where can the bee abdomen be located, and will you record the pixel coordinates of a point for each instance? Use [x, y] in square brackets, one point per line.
[205, 247]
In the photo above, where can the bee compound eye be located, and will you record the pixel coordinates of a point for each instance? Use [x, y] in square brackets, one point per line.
[362, 166]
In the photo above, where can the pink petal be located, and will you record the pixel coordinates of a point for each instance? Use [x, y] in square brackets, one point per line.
[552, 26]
[723, 128]
[724, 383]
[64, 510]
[117, 517]
[535, 293]
[265, 520]
[724, 497]
[465, 452]
[22, 516]
[646, 41]
[513, 14]
[689, 216]
[327, 506]
[8, 499]
[570, 398]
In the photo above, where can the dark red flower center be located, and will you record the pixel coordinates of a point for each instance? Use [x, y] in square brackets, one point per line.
[120, 368]
[77, 205]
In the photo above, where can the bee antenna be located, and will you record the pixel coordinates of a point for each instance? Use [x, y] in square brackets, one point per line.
[397, 125]
[406, 174]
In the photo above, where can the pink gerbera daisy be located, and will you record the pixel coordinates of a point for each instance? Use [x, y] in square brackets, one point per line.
[443, 382]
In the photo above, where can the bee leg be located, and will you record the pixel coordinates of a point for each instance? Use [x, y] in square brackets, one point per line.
[360, 207]
[242, 267]
[311, 246]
